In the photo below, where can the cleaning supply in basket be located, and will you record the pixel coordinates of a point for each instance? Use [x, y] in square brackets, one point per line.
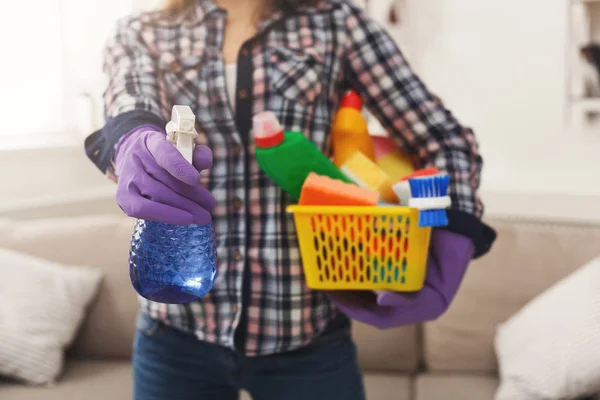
[288, 157]
[402, 187]
[349, 130]
[390, 158]
[365, 173]
[174, 264]
[429, 194]
[324, 191]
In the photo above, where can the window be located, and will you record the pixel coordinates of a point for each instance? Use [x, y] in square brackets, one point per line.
[51, 78]
[32, 70]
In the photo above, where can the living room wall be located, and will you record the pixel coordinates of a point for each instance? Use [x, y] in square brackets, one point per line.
[499, 66]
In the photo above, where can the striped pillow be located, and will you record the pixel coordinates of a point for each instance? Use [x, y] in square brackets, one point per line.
[42, 304]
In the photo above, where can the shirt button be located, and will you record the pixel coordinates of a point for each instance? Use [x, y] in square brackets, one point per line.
[234, 308]
[243, 94]
[237, 203]
[237, 256]
[174, 66]
[237, 149]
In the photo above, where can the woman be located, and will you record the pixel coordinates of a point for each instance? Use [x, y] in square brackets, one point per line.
[260, 328]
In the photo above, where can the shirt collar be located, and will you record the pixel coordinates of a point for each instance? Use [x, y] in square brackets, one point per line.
[204, 9]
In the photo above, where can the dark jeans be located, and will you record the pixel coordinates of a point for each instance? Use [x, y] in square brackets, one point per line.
[169, 364]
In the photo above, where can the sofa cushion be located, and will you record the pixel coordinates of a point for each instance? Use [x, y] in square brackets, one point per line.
[387, 387]
[82, 380]
[526, 259]
[455, 387]
[99, 380]
[393, 350]
[95, 241]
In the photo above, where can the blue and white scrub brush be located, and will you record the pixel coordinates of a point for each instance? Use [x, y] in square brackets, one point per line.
[429, 194]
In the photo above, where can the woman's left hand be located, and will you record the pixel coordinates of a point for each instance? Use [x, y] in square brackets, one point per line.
[449, 256]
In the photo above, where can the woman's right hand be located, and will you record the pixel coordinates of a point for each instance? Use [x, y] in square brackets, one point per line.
[156, 183]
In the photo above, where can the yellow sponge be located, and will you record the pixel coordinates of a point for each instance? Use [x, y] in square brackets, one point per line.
[365, 173]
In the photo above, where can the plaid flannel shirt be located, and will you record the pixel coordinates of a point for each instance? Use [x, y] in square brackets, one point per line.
[297, 66]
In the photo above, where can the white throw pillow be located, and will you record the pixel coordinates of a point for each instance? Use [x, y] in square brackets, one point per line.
[42, 304]
[551, 348]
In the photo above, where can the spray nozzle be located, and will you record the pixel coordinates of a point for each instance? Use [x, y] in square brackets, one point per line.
[181, 131]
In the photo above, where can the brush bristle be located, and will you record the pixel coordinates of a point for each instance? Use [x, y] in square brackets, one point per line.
[431, 187]
[433, 218]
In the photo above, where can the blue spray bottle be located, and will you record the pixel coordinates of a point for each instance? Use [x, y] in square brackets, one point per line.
[174, 264]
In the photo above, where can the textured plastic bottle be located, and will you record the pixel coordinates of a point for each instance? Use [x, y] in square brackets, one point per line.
[349, 131]
[287, 158]
[174, 264]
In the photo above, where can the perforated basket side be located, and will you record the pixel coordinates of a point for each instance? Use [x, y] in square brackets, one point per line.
[378, 248]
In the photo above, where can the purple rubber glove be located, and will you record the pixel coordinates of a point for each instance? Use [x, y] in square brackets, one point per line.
[156, 183]
[449, 256]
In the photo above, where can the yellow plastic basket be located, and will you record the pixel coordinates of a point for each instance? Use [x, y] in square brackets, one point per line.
[362, 248]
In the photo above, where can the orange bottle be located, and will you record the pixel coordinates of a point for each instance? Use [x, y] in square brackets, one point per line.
[349, 131]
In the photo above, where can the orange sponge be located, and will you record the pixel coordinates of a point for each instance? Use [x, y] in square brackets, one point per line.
[324, 191]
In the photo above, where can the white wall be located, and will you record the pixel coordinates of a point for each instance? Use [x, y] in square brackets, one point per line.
[500, 66]
[52, 176]
[49, 177]
[58, 177]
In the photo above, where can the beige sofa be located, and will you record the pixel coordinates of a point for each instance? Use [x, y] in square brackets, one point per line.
[450, 359]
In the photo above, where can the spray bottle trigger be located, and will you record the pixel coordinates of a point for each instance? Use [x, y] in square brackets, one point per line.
[181, 131]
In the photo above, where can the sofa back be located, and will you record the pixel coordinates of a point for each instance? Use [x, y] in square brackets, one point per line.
[527, 258]
[96, 241]
[107, 332]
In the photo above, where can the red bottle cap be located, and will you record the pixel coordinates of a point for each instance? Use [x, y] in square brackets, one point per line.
[266, 130]
[421, 172]
[352, 100]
